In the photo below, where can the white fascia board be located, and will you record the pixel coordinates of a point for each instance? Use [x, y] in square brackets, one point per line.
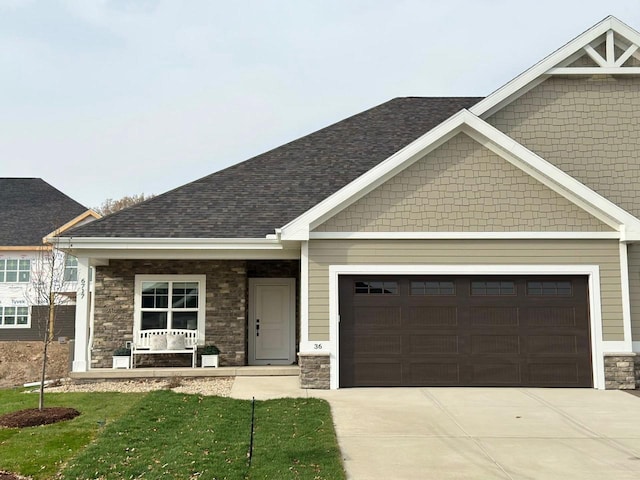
[552, 177]
[298, 229]
[113, 243]
[102, 257]
[525, 81]
[465, 235]
[588, 71]
[101, 250]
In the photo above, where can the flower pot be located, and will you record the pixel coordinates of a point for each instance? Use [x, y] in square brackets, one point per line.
[209, 361]
[121, 362]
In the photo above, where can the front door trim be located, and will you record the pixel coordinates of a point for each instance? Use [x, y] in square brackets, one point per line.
[253, 284]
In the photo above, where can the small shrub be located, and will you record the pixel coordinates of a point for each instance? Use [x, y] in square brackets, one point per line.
[210, 350]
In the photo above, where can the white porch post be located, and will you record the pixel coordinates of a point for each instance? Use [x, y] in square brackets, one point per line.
[82, 317]
[304, 297]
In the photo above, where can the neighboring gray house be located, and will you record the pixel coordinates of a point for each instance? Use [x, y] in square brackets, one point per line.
[31, 209]
[427, 241]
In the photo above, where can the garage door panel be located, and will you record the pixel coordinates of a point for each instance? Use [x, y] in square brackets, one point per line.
[495, 344]
[549, 316]
[431, 344]
[492, 374]
[554, 374]
[552, 344]
[493, 331]
[493, 316]
[377, 372]
[424, 317]
[432, 373]
[376, 345]
[378, 317]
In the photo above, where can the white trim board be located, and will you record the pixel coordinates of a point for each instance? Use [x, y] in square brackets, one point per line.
[592, 271]
[464, 235]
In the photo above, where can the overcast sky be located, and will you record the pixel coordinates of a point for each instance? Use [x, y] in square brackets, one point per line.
[110, 98]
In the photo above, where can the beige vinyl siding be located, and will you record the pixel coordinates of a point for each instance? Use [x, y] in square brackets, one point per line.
[587, 127]
[462, 187]
[633, 261]
[604, 253]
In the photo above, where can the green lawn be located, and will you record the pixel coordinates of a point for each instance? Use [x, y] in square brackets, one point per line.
[175, 436]
[40, 451]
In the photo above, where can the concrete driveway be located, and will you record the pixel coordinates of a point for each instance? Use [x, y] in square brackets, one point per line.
[478, 433]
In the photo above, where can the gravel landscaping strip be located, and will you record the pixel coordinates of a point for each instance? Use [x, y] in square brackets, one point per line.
[220, 386]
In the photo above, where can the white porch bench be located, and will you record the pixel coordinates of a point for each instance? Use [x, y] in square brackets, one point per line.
[160, 341]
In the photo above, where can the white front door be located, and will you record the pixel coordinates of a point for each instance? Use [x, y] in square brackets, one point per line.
[272, 321]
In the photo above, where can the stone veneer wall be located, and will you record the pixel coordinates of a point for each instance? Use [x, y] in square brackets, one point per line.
[315, 370]
[225, 306]
[620, 371]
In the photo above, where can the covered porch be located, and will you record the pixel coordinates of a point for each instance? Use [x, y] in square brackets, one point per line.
[243, 298]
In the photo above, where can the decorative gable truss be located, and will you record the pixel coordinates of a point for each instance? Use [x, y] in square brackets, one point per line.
[608, 48]
[610, 54]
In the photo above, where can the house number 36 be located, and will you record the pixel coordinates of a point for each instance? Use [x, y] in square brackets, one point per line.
[317, 346]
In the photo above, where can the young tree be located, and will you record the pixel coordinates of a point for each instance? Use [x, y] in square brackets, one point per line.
[46, 290]
[110, 205]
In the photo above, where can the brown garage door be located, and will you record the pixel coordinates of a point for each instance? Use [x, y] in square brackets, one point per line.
[465, 331]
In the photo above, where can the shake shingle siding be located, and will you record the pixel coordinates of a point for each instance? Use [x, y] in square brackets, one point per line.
[251, 199]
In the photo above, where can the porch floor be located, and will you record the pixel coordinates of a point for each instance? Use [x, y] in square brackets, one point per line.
[140, 372]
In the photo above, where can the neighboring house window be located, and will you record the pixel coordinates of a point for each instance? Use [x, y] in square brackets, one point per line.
[70, 269]
[15, 271]
[14, 317]
[170, 302]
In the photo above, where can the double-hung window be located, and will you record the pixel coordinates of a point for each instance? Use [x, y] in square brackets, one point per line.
[70, 269]
[14, 317]
[15, 271]
[170, 302]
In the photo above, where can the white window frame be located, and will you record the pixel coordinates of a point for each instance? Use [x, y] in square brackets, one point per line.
[202, 293]
[18, 270]
[15, 325]
[70, 268]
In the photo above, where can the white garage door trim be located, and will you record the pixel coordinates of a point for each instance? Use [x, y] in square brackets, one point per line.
[591, 271]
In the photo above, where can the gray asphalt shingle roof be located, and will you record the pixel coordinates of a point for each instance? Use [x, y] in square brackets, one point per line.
[30, 208]
[252, 198]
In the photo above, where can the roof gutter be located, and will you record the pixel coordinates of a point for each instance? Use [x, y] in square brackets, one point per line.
[119, 243]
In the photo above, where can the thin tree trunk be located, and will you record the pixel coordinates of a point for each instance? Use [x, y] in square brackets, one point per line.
[44, 372]
[48, 337]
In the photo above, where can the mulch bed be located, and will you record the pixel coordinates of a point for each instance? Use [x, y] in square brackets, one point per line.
[33, 417]
[11, 476]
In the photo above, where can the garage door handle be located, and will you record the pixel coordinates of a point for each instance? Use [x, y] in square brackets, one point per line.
[257, 327]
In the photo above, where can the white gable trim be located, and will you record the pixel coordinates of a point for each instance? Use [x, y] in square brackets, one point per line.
[486, 135]
[554, 64]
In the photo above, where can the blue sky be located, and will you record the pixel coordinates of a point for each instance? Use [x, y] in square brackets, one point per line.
[110, 98]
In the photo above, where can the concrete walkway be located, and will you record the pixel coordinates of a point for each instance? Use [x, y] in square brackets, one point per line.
[476, 433]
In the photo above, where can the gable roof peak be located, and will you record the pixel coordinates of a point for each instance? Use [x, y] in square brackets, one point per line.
[611, 36]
